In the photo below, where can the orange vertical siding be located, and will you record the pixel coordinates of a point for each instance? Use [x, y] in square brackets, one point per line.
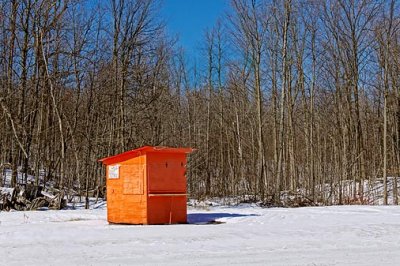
[167, 188]
[126, 196]
[163, 209]
[167, 172]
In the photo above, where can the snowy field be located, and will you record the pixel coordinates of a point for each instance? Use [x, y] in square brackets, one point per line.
[247, 235]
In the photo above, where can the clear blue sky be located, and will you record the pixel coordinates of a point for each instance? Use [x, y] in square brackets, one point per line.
[190, 18]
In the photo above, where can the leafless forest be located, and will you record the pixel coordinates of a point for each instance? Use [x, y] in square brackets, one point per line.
[290, 95]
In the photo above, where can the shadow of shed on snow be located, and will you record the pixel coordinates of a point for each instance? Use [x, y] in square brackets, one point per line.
[210, 218]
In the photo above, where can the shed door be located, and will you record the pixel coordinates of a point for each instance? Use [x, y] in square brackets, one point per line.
[133, 176]
[167, 176]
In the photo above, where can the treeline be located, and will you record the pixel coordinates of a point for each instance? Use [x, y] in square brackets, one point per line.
[295, 95]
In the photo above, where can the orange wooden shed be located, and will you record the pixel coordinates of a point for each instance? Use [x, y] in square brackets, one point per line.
[147, 186]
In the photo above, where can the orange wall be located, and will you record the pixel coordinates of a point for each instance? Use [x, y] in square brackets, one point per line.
[127, 195]
[166, 172]
[167, 209]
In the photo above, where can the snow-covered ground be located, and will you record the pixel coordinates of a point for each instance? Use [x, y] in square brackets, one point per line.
[248, 235]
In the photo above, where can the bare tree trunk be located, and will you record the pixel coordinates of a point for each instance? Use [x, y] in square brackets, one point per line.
[279, 175]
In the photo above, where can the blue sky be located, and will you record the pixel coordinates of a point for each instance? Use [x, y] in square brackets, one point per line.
[190, 18]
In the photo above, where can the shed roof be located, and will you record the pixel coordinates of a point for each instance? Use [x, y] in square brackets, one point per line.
[141, 151]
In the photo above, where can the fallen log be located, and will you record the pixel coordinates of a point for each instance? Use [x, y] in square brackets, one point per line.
[38, 203]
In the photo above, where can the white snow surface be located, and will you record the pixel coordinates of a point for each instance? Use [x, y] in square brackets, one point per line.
[248, 235]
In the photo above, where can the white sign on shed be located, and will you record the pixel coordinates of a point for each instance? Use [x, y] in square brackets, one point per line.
[113, 171]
